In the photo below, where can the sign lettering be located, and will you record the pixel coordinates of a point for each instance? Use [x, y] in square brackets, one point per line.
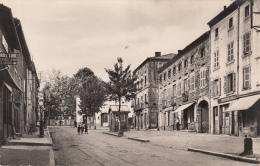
[8, 59]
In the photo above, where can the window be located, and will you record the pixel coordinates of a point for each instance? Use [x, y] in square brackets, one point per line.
[202, 78]
[226, 119]
[216, 59]
[216, 33]
[247, 11]
[169, 73]
[164, 76]
[192, 83]
[185, 85]
[192, 59]
[230, 52]
[180, 67]
[247, 44]
[202, 52]
[216, 88]
[230, 23]
[179, 89]
[161, 78]
[174, 70]
[247, 118]
[186, 63]
[174, 90]
[230, 83]
[145, 80]
[246, 77]
[145, 98]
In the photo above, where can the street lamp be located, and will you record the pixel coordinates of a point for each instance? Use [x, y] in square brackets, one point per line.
[41, 125]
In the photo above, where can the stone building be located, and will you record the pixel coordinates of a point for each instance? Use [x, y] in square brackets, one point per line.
[146, 102]
[235, 53]
[17, 110]
[184, 88]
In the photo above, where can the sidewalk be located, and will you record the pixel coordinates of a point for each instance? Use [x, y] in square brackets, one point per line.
[29, 150]
[181, 140]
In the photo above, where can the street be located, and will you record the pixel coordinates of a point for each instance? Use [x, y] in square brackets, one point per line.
[97, 148]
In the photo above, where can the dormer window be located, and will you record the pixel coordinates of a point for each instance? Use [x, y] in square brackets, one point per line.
[202, 52]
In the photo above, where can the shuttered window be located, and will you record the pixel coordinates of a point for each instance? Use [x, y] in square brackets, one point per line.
[246, 75]
[247, 42]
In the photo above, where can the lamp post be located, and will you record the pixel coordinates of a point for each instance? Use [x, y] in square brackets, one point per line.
[41, 125]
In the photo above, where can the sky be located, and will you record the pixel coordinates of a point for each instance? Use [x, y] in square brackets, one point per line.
[68, 35]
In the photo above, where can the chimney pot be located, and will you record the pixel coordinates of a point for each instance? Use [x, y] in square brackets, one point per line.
[179, 51]
[157, 54]
[225, 7]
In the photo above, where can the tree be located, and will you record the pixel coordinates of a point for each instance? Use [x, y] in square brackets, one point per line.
[91, 91]
[121, 85]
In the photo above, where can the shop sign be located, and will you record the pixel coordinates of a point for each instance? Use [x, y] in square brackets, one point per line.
[8, 59]
[226, 99]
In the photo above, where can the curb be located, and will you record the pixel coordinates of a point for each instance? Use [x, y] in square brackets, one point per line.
[134, 139]
[111, 134]
[137, 139]
[229, 156]
[51, 153]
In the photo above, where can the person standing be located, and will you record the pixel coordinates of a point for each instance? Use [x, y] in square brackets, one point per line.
[177, 124]
[86, 128]
[75, 123]
[79, 128]
[82, 129]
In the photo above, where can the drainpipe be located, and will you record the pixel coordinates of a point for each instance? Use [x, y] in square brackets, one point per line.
[238, 20]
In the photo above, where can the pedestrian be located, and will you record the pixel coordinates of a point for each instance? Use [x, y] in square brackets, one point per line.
[86, 128]
[82, 129]
[75, 123]
[177, 124]
[60, 122]
[79, 129]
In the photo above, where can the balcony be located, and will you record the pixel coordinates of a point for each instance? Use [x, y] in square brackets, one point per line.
[139, 106]
[185, 96]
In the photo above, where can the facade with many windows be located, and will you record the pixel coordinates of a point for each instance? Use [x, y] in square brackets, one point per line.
[146, 102]
[235, 81]
[184, 89]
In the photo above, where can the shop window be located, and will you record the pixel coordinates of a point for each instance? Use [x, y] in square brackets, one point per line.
[248, 118]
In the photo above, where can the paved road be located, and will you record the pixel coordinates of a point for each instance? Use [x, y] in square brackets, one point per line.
[97, 149]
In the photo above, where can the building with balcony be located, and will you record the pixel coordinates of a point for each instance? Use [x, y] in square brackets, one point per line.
[146, 102]
[184, 88]
[235, 63]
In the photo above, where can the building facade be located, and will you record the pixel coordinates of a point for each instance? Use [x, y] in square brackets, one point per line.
[146, 102]
[184, 89]
[235, 53]
[14, 64]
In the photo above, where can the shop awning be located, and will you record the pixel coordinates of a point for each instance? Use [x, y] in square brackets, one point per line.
[6, 77]
[183, 107]
[123, 108]
[244, 103]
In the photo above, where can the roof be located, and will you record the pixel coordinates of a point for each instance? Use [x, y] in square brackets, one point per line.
[244, 103]
[188, 48]
[8, 27]
[123, 108]
[165, 57]
[226, 12]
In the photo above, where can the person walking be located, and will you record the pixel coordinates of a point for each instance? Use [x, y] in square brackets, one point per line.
[79, 128]
[75, 123]
[177, 124]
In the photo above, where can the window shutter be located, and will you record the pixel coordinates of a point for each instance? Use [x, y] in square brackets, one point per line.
[234, 82]
[188, 87]
[219, 87]
[244, 39]
[225, 84]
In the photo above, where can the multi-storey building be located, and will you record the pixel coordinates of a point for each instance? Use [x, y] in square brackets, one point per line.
[235, 62]
[184, 89]
[14, 63]
[146, 101]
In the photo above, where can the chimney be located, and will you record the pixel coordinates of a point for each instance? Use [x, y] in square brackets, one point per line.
[157, 54]
[179, 51]
[225, 7]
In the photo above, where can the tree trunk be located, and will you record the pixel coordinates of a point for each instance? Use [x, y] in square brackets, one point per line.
[119, 117]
